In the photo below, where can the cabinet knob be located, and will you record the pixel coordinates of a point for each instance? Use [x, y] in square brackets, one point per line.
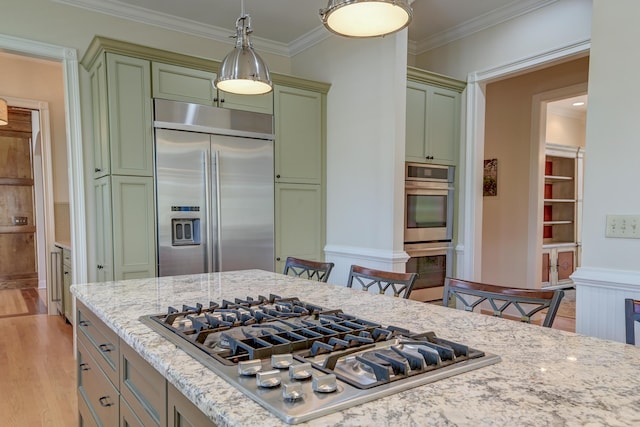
[100, 266]
[278, 176]
[105, 402]
[222, 100]
[278, 259]
[98, 170]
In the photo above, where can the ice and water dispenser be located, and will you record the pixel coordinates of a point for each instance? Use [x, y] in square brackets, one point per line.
[185, 230]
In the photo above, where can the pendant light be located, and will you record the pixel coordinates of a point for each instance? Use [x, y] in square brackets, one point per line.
[4, 113]
[242, 70]
[366, 18]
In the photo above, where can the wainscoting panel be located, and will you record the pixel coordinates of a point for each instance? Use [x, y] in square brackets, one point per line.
[600, 296]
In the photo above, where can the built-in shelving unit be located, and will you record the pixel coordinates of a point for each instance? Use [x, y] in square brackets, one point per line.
[562, 212]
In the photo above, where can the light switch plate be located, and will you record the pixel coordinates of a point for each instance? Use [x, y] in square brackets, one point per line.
[623, 226]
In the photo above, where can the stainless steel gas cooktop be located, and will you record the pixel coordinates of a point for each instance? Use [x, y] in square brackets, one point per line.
[301, 361]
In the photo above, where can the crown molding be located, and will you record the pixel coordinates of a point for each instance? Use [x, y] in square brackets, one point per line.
[482, 22]
[174, 23]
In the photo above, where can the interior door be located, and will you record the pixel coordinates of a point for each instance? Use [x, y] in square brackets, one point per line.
[18, 259]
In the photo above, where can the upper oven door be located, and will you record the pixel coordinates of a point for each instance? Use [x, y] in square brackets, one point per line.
[428, 214]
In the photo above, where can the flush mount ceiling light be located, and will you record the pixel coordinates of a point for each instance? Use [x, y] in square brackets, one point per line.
[366, 18]
[242, 70]
[4, 113]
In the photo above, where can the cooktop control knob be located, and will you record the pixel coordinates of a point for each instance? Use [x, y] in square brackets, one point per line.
[268, 379]
[292, 391]
[249, 368]
[281, 361]
[325, 384]
[300, 372]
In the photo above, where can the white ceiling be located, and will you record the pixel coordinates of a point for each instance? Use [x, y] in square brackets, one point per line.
[290, 24]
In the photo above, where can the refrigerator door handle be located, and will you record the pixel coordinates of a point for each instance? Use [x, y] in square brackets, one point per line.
[218, 213]
[207, 198]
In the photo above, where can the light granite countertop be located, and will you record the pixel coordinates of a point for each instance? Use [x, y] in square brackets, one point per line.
[546, 377]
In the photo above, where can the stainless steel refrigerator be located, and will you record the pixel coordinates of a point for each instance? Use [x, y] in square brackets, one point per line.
[214, 189]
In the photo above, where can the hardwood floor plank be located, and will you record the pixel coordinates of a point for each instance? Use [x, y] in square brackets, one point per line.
[37, 366]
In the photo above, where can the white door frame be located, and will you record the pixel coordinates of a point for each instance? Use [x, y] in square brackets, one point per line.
[469, 245]
[69, 59]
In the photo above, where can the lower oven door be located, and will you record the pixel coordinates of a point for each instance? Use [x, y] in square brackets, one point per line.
[433, 263]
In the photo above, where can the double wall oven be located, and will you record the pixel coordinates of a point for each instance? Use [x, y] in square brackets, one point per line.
[428, 227]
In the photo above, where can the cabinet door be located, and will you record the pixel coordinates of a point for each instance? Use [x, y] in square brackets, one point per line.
[183, 413]
[432, 124]
[130, 118]
[103, 230]
[134, 240]
[443, 125]
[182, 84]
[66, 284]
[255, 103]
[299, 220]
[299, 135]
[566, 264]
[416, 135]
[99, 102]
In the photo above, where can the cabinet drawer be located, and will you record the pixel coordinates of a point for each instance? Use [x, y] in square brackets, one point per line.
[142, 387]
[183, 413]
[93, 386]
[85, 416]
[128, 418]
[101, 342]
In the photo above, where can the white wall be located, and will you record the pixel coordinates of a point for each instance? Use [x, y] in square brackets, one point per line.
[611, 271]
[365, 148]
[559, 24]
[566, 130]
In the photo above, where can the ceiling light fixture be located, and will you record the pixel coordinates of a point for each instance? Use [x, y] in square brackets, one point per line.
[366, 18]
[242, 70]
[4, 113]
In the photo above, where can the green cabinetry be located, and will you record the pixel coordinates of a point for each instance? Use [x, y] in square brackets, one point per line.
[299, 115]
[191, 85]
[432, 118]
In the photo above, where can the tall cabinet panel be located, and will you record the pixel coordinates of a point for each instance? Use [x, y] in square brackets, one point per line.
[299, 173]
[124, 238]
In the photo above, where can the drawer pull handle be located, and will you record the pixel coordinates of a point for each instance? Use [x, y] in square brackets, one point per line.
[85, 367]
[105, 348]
[84, 323]
[104, 401]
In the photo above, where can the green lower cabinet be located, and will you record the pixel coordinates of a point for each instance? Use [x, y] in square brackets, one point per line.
[299, 219]
[134, 239]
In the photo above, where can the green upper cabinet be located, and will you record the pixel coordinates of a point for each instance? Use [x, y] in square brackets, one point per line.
[298, 115]
[196, 86]
[121, 98]
[433, 118]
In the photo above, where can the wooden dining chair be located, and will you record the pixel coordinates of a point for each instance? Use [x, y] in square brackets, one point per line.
[631, 316]
[312, 270]
[526, 301]
[400, 284]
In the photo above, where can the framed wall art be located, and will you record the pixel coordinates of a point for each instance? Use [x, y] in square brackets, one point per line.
[490, 178]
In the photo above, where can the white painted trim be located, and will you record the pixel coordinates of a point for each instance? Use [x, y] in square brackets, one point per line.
[367, 254]
[69, 60]
[619, 280]
[470, 250]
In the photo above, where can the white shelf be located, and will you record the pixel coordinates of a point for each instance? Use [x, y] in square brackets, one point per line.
[555, 178]
[559, 200]
[559, 222]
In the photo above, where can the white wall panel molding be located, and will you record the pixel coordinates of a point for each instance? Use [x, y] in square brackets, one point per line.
[345, 256]
[600, 295]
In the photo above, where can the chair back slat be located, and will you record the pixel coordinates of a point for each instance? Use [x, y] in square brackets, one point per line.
[527, 302]
[400, 284]
[631, 316]
[312, 270]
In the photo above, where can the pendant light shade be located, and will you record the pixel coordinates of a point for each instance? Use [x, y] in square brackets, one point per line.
[242, 70]
[366, 18]
[4, 113]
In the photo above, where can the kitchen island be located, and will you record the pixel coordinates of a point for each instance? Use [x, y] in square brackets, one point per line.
[545, 376]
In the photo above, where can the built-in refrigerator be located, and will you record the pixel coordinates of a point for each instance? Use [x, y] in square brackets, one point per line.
[214, 189]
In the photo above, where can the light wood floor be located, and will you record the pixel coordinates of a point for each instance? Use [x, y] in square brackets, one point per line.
[37, 368]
